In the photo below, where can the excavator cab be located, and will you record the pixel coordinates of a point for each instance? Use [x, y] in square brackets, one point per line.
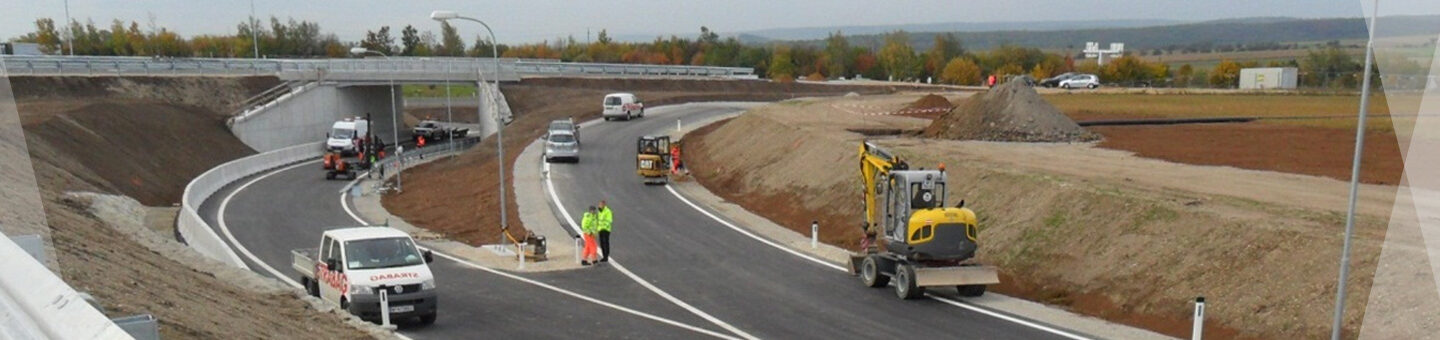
[652, 159]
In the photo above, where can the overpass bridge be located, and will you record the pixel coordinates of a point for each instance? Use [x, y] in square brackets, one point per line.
[316, 92]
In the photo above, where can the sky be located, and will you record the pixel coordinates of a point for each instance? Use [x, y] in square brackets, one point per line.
[536, 20]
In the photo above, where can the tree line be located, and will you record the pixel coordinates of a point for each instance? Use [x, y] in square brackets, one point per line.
[946, 60]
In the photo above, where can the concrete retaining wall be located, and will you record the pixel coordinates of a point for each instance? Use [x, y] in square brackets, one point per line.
[198, 234]
[306, 114]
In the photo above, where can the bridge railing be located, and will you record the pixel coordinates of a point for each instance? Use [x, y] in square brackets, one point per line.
[417, 68]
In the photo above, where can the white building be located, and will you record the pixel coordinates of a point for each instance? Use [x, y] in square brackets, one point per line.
[1268, 78]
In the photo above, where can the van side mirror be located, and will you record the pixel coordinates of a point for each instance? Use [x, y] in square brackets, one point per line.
[429, 256]
[334, 265]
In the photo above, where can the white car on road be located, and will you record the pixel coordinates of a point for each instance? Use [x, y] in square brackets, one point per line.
[1088, 81]
[622, 105]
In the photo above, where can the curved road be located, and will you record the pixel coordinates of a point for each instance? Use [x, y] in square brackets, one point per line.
[733, 285]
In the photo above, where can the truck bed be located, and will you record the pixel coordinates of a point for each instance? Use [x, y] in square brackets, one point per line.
[303, 261]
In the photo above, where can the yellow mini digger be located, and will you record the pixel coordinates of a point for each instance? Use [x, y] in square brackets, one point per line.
[652, 159]
[911, 237]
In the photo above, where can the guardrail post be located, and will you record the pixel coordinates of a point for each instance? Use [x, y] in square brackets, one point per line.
[578, 250]
[385, 307]
[520, 255]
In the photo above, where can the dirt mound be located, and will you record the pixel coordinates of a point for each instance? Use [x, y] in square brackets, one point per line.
[1008, 113]
[930, 101]
[433, 189]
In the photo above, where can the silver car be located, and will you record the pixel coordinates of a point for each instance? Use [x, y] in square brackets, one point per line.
[562, 145]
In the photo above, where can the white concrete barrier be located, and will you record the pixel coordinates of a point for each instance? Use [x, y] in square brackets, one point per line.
[36, 304]
[198, 234]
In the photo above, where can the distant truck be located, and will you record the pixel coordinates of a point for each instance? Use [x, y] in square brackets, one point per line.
[347, 136]
[434, 131]
[353, 266]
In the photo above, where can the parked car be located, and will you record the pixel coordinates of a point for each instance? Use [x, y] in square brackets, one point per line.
[564, 125]
[622, 105]
[1088, 81]
[1055, 81]
[562, 145]
[435, 131]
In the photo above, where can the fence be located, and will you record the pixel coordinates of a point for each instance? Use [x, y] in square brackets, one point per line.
[423, 68]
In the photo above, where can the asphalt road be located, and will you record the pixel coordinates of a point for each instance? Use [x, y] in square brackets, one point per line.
[757, 288]
[288, 209]
[743, 284]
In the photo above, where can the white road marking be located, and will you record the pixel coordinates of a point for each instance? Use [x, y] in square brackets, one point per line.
[693, 310]
[344, 203]
[949, 301]
[226, 228]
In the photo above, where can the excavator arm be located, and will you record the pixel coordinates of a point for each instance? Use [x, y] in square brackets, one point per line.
[875, 166]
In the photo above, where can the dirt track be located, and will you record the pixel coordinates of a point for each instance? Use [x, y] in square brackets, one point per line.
[146, 138]
[1098, 231]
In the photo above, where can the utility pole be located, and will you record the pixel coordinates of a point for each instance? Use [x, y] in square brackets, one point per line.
[254, 31]
[69, 34]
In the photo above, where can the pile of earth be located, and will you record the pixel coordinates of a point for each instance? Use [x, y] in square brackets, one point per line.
[1008, 113]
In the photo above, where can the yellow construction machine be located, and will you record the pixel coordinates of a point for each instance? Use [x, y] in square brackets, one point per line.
[652, 159]
[910, 236]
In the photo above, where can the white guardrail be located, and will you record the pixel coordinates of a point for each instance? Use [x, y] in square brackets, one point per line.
[36, 304]
[427, 67]
[198, 234]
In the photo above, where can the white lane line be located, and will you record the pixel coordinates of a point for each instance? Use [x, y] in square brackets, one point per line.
[344, 202]
[949, 301]
[693, 310]
[224, 204]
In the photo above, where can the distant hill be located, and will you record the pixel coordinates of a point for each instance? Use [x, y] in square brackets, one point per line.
[1227, 31]
[809, 33]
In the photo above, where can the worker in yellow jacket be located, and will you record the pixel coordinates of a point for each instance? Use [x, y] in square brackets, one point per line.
[589, 225]
[603, 230]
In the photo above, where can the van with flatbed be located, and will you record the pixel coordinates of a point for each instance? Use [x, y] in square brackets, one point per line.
[354, 266]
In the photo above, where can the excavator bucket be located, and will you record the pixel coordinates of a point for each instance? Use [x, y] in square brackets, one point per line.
[955, 276]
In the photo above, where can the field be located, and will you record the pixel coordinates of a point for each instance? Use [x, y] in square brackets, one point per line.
[1320, 146]
[437, 91]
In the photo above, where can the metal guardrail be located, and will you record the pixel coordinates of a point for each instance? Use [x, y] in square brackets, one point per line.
[403, 68]
[195, 231]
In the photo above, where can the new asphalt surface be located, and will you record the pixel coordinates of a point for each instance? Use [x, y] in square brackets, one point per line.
[744, 284]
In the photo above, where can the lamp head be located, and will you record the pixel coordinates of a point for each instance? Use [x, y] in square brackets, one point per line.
[358, 50]
[443, 15]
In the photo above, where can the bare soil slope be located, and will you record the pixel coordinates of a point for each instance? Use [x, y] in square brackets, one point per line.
[1097, 231]
[139, 137]
[459, 197]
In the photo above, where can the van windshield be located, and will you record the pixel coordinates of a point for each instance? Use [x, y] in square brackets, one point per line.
[381, 253]
[342, 133]
[612, 101]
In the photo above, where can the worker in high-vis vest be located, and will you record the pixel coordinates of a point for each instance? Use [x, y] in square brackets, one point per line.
[589, 224]
[606, 219]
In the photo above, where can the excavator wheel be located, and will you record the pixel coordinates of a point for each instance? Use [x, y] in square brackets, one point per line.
[870, 272]
[905, 282]
[971, 290]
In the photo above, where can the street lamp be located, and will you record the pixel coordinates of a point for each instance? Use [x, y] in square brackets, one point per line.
[499, 126]
[394, 120]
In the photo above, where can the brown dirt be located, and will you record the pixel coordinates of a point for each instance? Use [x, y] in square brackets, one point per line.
[1097, 231]
[436, 189]
[1315, 151]
[134, 136]
[1011, 112]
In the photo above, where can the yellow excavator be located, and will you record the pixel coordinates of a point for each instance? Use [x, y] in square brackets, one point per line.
[910, 236]
[652, 159]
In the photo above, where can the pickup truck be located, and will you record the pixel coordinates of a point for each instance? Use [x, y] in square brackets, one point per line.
[353, 266]
[435, 131]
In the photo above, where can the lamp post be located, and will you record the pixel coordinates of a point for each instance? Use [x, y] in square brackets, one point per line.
[69, 34]
[394, 117]
[499, 126]
[255, 31]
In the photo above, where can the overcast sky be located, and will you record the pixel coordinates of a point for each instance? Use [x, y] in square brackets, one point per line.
[534, 20]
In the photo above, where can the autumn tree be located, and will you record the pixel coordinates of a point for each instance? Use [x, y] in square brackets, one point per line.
[897, 58]
[782, 68]
[945, 48]
[379, 41]
[838, 59]
[1226, 74]
[961, 71]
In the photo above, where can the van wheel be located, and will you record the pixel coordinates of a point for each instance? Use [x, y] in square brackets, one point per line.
[345, 304]
[1065, 86]
[1093, 86]
[628, 116]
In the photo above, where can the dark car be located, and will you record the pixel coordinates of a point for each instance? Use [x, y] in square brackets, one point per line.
[1055, 81]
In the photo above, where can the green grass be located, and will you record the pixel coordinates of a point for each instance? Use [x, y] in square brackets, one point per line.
[1124, 106]
[434, 91]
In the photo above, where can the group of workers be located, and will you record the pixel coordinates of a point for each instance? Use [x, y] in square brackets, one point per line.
[595, 226]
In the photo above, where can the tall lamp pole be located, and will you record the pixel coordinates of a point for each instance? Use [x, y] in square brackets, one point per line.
[69, 34]
[499, 125]
[254, 31]
[1355, 178]
[394, 117]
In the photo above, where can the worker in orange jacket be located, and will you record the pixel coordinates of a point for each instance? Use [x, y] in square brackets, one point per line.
[589, 226]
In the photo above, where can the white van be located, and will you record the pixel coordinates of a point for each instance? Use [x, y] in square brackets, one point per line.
[353, 266]
[345, 136]
[622, 105]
